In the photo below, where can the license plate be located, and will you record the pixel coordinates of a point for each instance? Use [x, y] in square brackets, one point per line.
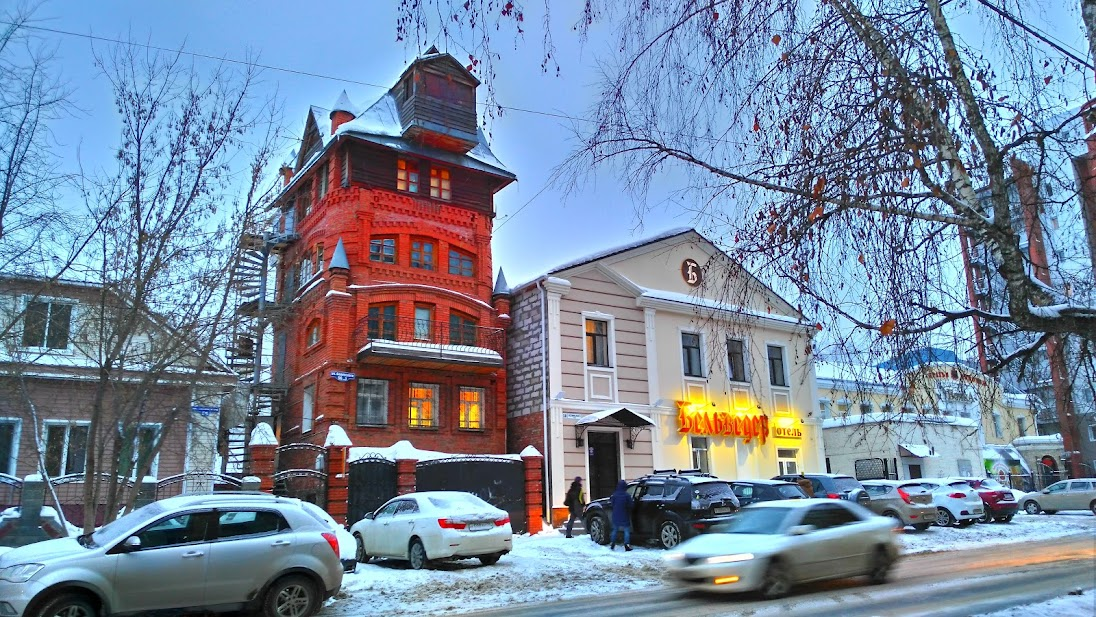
[722, 510]
[480, 526]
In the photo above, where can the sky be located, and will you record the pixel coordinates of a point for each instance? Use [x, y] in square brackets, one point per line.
[344, 44]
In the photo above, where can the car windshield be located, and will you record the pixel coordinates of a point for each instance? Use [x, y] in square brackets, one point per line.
[788, 491]
[460, 503]
[846, 484]
[751, 520]
[713, 490]
[115, 529]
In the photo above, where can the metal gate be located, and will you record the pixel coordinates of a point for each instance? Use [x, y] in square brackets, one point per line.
[371, 481]
[195, 482]
[304, 483]
[498, 481]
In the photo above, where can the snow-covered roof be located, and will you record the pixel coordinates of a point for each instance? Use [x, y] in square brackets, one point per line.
[912, 417]
[263, 435]
[336, 436]
[404, 450]
[530, 451]
[448, 353]
[669, 233]
[1038, 440]
[338, 257]
[918, 450]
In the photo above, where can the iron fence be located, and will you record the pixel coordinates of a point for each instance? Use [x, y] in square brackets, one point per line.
[380, 327]
[11, 491]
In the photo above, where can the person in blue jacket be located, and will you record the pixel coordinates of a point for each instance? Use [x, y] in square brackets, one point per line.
[621, 502]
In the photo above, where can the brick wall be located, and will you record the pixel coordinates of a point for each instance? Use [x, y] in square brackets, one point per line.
[524, 344]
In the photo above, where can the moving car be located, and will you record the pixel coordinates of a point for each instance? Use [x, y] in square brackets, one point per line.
[772, 545]
[1079, 494]
[956, 502]
[750, 491]
[998, 502]
[833, 486]
[433, 526]
[185, 554]
[909, 503]
[669, 507]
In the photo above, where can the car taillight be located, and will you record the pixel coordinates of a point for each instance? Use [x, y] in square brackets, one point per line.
[833, 495]
[333, 540]
[957, 495]
[499, 522]
[445, 523]
[904, 495]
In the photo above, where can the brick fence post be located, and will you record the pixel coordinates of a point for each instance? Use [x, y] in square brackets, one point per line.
[405, 475]
[263, 446]
[338, 492]
[534, 489]
[146, 492]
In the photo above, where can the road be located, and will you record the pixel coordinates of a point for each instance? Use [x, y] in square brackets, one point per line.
[945, 584]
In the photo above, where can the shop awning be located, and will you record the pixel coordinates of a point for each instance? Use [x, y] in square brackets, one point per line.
[617, 417]
[1006, 454]
[916, 450]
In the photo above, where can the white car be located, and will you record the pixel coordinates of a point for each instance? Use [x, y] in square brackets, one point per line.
[433, 526]
[771, 545]
[956, 502]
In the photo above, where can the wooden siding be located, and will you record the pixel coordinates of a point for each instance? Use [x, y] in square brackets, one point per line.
[375, 167]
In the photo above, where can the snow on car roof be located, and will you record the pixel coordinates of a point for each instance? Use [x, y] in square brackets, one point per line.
[794, 503]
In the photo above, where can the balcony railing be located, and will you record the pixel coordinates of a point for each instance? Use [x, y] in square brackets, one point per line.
[427, 333]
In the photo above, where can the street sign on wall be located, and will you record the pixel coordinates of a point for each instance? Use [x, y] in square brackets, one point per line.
[342, 376]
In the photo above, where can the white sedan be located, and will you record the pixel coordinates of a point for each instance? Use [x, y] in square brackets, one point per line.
[433, 526]
[956, 502]
[771, 545]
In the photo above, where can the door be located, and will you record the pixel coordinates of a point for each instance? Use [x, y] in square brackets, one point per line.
[827, 552]
[604, 456]
[175, 548]
[1078, 496]
[915, 471]
[649, 502]
[377, 540]
[248, 548]
[402, 526]
[1055, 496]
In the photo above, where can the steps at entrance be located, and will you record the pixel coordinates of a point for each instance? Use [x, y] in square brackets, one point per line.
[578, 529]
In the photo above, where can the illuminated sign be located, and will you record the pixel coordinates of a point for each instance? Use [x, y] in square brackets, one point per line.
[787, 432]
[956, 375]
[692, 419]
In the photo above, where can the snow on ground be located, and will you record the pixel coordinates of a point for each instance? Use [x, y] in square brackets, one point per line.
[548, 566]
[1082, 604]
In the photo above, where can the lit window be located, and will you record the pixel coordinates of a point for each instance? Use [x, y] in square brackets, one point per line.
[308, 404]
[382, 250]
[736, 359]
[460, 263]
[462, 330]
[439, 184]
[46, 324]
[313, 334]
[776, 366]
[471, 408]
[372, 402]
[422, 255]
[407, 176]
[597, 342]
[423, 403]
[66, 448]
[690, 354]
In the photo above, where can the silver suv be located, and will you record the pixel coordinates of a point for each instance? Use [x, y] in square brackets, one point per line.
[204, 552]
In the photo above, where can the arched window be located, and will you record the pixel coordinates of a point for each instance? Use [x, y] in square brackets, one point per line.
[314, 332]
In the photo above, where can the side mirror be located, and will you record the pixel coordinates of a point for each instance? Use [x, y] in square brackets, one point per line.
[800, 530]
[1045, 491]
[369, 516]
[132, 543]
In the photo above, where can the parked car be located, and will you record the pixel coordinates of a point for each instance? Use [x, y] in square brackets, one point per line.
[669, 508]
[772, 545]
[833, 486]
[956, 502]
[1079, 494]
[998, 502]
[909, 503]
[750, 491]
[184, 554]
[434, 526]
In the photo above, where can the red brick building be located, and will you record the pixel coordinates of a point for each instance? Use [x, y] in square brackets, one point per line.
[394, 330]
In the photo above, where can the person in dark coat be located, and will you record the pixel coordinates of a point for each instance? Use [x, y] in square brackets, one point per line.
[622, 504]
[575, 502]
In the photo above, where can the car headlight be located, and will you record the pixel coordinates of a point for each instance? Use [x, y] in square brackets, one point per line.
[729, 558]
[20, 573]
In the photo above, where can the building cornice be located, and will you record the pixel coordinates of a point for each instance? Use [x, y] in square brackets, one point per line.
[692, 310]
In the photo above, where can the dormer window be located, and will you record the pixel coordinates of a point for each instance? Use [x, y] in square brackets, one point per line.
[439, 184]
[407, 176]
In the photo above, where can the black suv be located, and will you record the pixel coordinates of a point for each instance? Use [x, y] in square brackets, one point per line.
[750, 491]
[833, 486]
[670, 506]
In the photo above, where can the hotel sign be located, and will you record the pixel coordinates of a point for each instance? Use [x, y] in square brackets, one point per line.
[787, 432]
[693, 420]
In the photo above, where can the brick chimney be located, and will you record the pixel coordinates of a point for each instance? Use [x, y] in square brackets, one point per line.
[287, 174]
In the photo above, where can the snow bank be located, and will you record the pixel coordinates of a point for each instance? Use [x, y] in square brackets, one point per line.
[404, 450]
[336, 436]
[263, 435]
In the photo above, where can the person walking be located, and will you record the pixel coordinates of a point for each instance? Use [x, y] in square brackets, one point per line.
[621, 503]
[575, 500]
[805, 484]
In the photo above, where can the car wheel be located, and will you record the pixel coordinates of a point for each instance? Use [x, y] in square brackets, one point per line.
[898, 522]
[1092, 506]
[598, 528]
[490, 560]
[291, 596]
[922, 526]
[359, 553]
[881, 565]
[417, 555]
[69, 605]
[1031, 507]
[986, 517]
[776, 583]
[669, 534]
[1005, 519]
[944, 518]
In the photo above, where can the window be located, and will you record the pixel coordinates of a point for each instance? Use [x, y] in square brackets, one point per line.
[736, 359]
[597, 342]
[866, 408]
[321, 181]
[701, 460]
[786, 461]
[308, 403]
[439, 184]
[997, 425]
[66, 448]
[823, 408]
[460, 263]
[422, 255]
[887, 408]
[690, 354]
[372, 402]
[1021, 426]
[382, 250]
[46, 324]
[424, 315]
[423, 404]
[241, 523]
[407, 176]
[304, 200]
[317, 265]
[181, 529]
[381, 322]
[139, 448]
[843, 407]
[1091, 437]
[776, 366]
[471, 408]
[965, 468]
[462, 330]
[9, 439]
[313, 333]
